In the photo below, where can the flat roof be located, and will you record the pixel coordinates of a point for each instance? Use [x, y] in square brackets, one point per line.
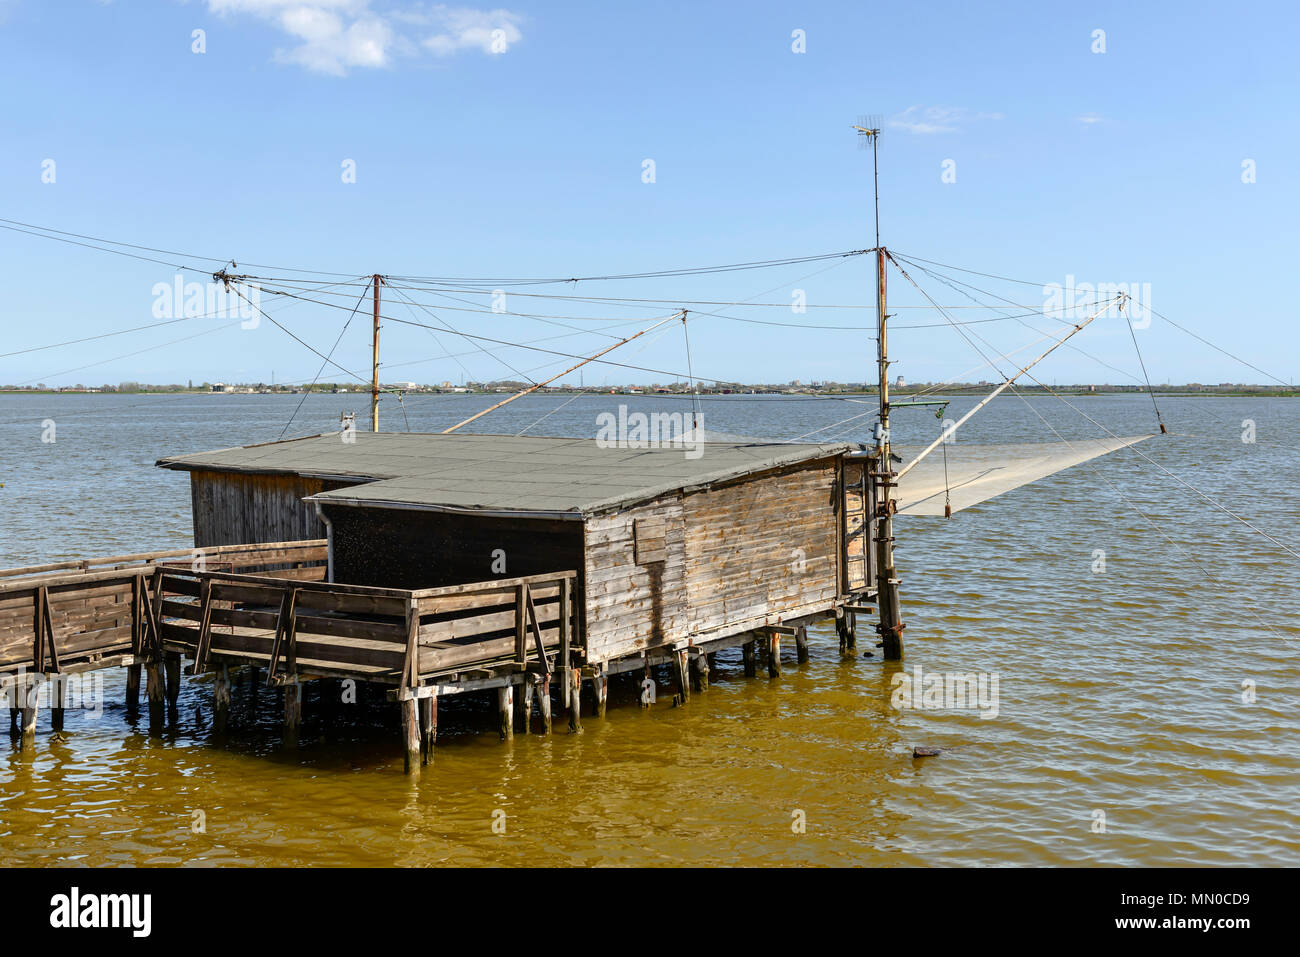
[563, 477]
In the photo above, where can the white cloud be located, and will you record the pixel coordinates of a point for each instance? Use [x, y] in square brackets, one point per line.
[936, 119]
[336, 36]
[1089, 118]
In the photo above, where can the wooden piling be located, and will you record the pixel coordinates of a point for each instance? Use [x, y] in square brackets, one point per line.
[524, 705]
[700, 666]
[132, 688]
[773, 654]
[801, 644]
[505, 709]
[221, 698]
[750, 652]
[14, 721]
[292, 706]
[682, 673]
[575, 700]
[155, 686]
[600, 687]
[544, 702]
[428, 727]
[27, 721]
[411, 735]
[172, 669]
[57, 700]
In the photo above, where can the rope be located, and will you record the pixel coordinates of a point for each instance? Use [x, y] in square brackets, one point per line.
[1133, 334]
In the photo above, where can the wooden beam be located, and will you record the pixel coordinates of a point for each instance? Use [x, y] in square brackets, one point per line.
[801, 644]
[773, 654]
[600, 688]
[700, 666]
[750, 654]
[682, 674]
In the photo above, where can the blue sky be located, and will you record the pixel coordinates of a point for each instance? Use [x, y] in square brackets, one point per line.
[527, 159]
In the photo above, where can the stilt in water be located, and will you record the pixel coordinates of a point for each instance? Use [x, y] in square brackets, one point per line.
[27, 722]
[132, 688]
[411, 735]
[750, 652]
[544, 703]
[773, 654]
[801, 644]
[57, 700]
[13, 721]
[600, 687]
[574, 678]
[524, 705]
[428, 727]
[682, 674]
[292, 707]
[154, 685]
[506, 708]
[172, 667]
[221, 699]
[700, 666]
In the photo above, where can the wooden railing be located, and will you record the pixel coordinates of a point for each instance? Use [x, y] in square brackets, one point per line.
[268, 605]
[55, 620]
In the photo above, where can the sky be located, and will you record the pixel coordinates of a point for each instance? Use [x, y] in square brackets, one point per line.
[1093, 143]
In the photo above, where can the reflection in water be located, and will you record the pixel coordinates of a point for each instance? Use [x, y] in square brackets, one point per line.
[1119, 692]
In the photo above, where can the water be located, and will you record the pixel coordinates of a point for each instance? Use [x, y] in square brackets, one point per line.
[1121, 691]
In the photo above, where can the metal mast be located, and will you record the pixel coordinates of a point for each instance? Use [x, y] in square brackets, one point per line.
[884, 479]
[376, 279]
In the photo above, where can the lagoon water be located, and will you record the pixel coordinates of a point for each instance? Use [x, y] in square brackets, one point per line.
[1157, 695]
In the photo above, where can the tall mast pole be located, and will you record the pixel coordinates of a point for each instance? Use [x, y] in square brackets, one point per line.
[891, 625]
[374, 360]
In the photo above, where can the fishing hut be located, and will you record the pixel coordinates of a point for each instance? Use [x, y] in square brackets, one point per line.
[443, 564]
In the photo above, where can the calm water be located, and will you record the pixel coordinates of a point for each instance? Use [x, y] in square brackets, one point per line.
[1121, 691]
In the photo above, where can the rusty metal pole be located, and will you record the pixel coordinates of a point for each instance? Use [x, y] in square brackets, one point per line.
[891, 625]
[374, 361]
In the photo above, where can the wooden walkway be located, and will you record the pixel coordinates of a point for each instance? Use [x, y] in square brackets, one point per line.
[267, 606]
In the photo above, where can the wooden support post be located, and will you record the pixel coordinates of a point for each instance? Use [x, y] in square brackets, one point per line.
[801, 644]
[154, 684]
[411, 735]
[544, 702]
[27, 722]
[132, 688]
[700, 665]
[221, 698]
[773, 654]
[58, 693]
[13, 720]
[506, 707]
[851, 619]
[172, 668]
[600, 689]
[524, 705]
[574, 680]
[682, 673]
[750, 651]
[428, 726]
[292, 705]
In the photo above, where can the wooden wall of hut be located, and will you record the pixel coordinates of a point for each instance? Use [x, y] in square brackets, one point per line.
[731, 556]
[235, 509]
[412, 548]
